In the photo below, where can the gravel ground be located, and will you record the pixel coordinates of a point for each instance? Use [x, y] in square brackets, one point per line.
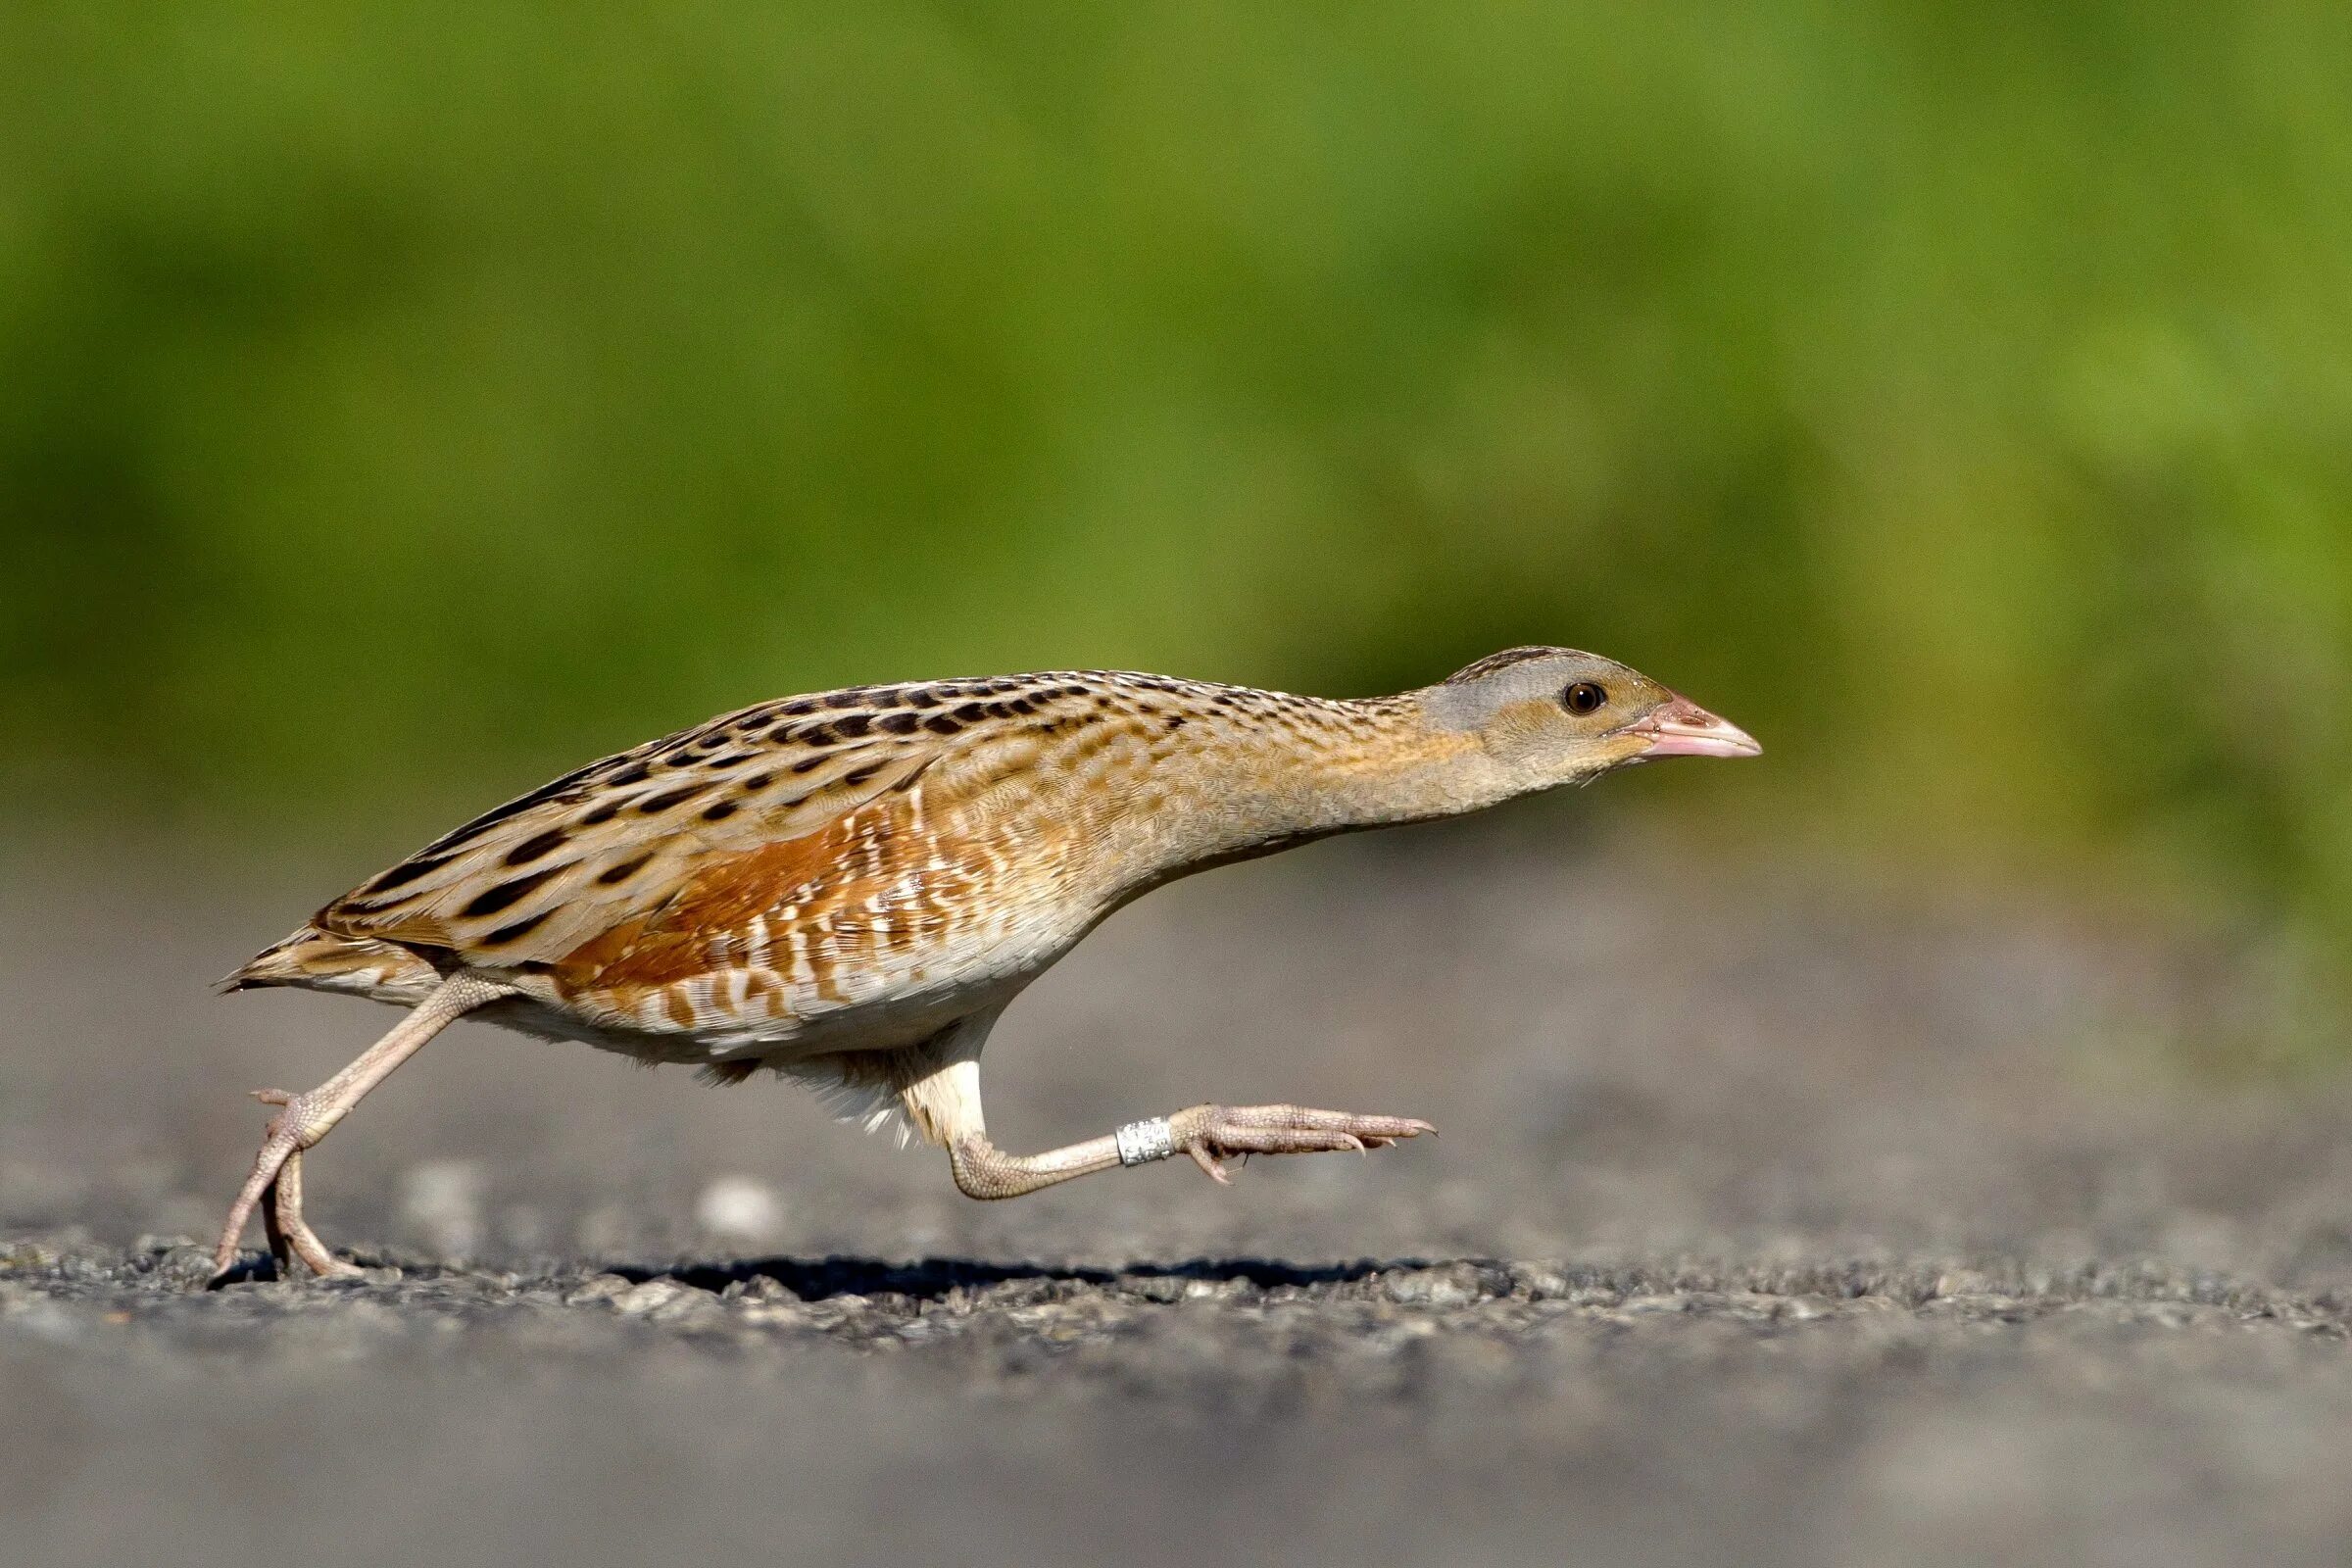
[1775, 1220]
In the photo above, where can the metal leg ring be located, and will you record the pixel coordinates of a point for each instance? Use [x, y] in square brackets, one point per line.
[1143, 1142]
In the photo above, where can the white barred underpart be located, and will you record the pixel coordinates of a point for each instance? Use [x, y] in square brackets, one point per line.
[1143, 1142]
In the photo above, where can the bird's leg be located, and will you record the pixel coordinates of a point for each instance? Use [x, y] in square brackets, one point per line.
[277, 1178]
[937, 1083]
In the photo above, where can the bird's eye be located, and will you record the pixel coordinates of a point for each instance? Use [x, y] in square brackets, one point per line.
[1583, 697]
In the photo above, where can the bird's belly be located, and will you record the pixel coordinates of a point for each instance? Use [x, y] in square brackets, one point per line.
[879, 1025]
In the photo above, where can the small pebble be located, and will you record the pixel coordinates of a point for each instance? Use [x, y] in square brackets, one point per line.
[441, 1201]
[740, 1209]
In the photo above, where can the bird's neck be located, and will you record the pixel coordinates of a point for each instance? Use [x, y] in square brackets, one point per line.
[1334, 767]
[1398, 767]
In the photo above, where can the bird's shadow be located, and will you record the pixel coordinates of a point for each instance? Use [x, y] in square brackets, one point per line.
[931, 1278]
[925, 1279]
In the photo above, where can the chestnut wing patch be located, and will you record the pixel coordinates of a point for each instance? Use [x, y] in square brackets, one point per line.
[615, 842]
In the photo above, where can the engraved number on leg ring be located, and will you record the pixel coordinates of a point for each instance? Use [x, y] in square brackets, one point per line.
[1143, 1142]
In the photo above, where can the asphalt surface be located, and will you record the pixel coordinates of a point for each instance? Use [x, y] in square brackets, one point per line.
[1773, 1219]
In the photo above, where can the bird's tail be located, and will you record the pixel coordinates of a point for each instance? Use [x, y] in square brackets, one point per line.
[319, 961]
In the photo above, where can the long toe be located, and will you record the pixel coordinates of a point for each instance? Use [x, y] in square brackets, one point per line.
[1282, 1141]
[1388, 1129]
[266, 1168]
[1298, 1130]
[1331, 1120]
[283, 1207]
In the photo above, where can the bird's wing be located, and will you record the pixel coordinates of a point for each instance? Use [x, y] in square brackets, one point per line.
[613, 843]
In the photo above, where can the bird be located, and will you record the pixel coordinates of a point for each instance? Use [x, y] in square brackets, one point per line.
[849, 888]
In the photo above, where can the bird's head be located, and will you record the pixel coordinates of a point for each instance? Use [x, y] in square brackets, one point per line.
[1553, 715]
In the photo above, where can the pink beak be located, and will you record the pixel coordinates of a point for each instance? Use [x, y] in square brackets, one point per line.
[1679, 727]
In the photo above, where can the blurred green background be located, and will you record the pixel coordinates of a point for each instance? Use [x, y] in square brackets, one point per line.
[405, 402]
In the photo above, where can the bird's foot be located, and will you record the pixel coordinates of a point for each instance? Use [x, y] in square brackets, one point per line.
[1213, 1133]
[276, 1186]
